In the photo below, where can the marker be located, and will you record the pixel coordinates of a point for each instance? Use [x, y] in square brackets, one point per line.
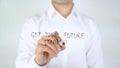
[63, 42]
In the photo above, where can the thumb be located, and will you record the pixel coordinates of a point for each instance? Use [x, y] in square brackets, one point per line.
[62, 47]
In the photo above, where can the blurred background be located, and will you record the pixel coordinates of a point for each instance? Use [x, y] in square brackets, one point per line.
[13, 14]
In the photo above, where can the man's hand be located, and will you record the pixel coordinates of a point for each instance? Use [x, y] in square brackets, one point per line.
[47, 48]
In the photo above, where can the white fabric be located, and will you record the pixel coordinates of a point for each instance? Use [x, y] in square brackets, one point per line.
[82, 39]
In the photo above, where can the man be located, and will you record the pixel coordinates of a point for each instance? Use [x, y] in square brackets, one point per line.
[60, 38]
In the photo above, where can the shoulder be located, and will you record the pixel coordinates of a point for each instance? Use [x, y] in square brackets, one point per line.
[37, 18]
[85, 18]
[89, 22]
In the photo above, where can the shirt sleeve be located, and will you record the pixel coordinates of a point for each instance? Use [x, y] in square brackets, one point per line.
[27, 45]
[94, 52]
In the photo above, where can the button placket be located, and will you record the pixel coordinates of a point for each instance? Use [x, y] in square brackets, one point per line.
[65, 53]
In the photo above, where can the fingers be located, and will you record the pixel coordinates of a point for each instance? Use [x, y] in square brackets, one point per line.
[42, 49]
[58, 39]
[53, 35]
[56, 35]
[52, 41]
[46, 43]
[49, 51]
[51, 44]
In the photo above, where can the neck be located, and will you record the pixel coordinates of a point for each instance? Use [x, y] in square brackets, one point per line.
[63, 9]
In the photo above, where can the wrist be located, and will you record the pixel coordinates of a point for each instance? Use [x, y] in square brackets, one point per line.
[40, 63]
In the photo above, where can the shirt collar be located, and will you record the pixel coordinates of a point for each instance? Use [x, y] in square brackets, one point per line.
[52, 11]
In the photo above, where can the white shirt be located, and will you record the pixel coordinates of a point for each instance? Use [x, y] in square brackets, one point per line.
[81, 36]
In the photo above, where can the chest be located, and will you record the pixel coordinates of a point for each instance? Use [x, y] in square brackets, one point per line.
[74, 33]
